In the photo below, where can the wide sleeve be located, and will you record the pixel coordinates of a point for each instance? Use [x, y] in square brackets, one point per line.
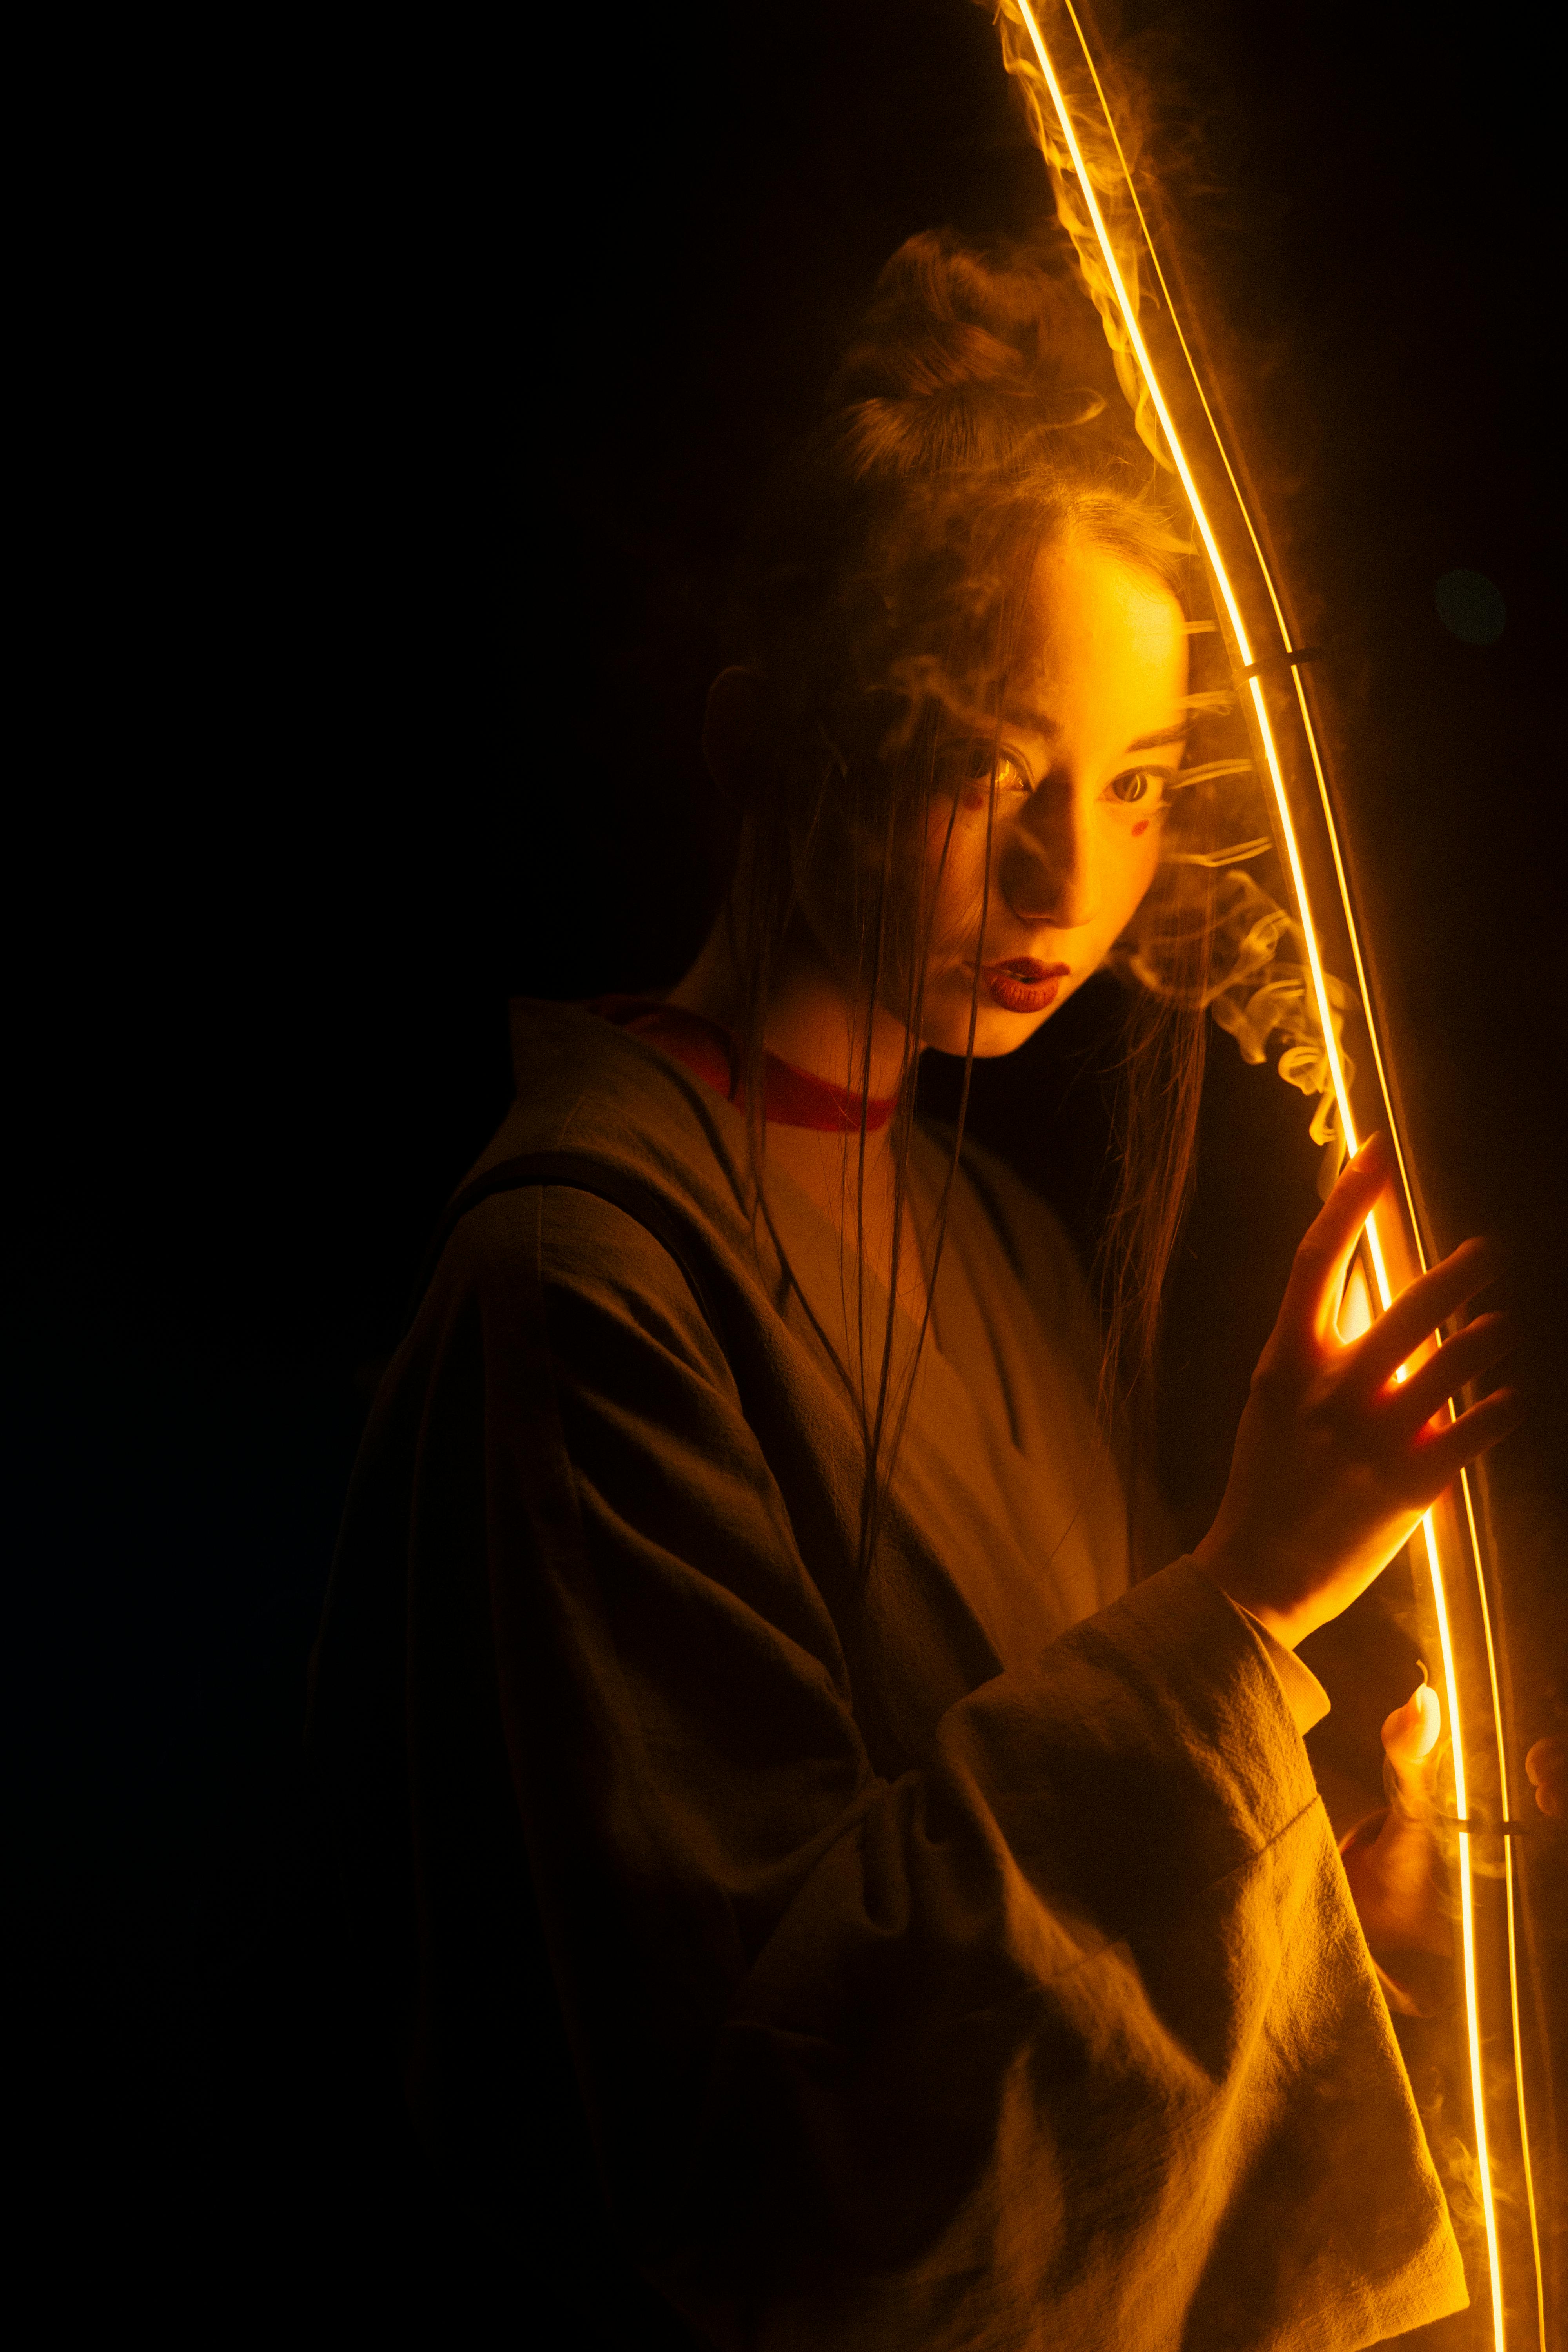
[1065, 2037]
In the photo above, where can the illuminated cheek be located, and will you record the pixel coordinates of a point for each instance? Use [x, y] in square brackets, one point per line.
[1134, 863]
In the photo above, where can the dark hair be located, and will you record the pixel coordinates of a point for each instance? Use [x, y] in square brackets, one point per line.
[966, 432]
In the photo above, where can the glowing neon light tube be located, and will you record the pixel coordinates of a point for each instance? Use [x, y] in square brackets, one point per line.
[1127, 308]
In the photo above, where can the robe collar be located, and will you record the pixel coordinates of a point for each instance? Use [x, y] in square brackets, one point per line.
[791, 1097]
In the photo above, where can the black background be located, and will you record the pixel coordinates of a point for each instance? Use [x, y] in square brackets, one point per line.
[398, 399]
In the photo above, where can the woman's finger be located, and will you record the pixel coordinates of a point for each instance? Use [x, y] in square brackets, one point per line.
[1429, 1302]
[1470, 1352]
[1447, 1451]
[1323, 1260]
[1547, 1765]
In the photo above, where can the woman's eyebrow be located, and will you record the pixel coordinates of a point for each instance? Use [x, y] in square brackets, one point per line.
[1177, 732]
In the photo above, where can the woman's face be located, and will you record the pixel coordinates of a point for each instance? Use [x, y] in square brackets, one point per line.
[1091, 736]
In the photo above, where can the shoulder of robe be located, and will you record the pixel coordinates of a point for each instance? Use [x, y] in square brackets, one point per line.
[671, 1220]
[587, 1088]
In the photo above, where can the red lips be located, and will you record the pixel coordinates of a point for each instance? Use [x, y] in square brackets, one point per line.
[1023, 984]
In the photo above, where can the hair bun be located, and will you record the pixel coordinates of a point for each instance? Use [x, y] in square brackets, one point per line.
[963, 358]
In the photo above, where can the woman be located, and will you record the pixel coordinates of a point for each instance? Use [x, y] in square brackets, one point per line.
[844, 1901]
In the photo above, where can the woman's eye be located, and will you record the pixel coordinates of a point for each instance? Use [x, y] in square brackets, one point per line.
[1137, 785]
[968, 765]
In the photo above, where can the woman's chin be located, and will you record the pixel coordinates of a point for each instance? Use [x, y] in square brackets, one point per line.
[995, 1032]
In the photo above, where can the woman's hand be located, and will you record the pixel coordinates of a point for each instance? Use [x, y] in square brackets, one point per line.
[1394, 1862]
[1335, 1459]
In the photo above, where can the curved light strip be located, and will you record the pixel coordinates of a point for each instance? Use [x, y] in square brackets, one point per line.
[1128, 310]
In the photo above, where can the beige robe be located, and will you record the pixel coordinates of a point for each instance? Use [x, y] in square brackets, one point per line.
[966, 1964]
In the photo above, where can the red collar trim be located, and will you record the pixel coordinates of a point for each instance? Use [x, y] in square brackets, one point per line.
[791, 1097]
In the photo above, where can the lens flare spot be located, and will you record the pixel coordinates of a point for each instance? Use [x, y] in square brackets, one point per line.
[1471, 607]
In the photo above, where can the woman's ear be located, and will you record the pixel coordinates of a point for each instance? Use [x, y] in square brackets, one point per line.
[731, 730]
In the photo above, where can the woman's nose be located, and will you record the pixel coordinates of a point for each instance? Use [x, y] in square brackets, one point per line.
[1046, 871]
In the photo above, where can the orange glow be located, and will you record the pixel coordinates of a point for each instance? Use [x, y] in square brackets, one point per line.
[1122, 282]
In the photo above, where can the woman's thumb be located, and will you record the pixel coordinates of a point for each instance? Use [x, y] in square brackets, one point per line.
[1410, 1733]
